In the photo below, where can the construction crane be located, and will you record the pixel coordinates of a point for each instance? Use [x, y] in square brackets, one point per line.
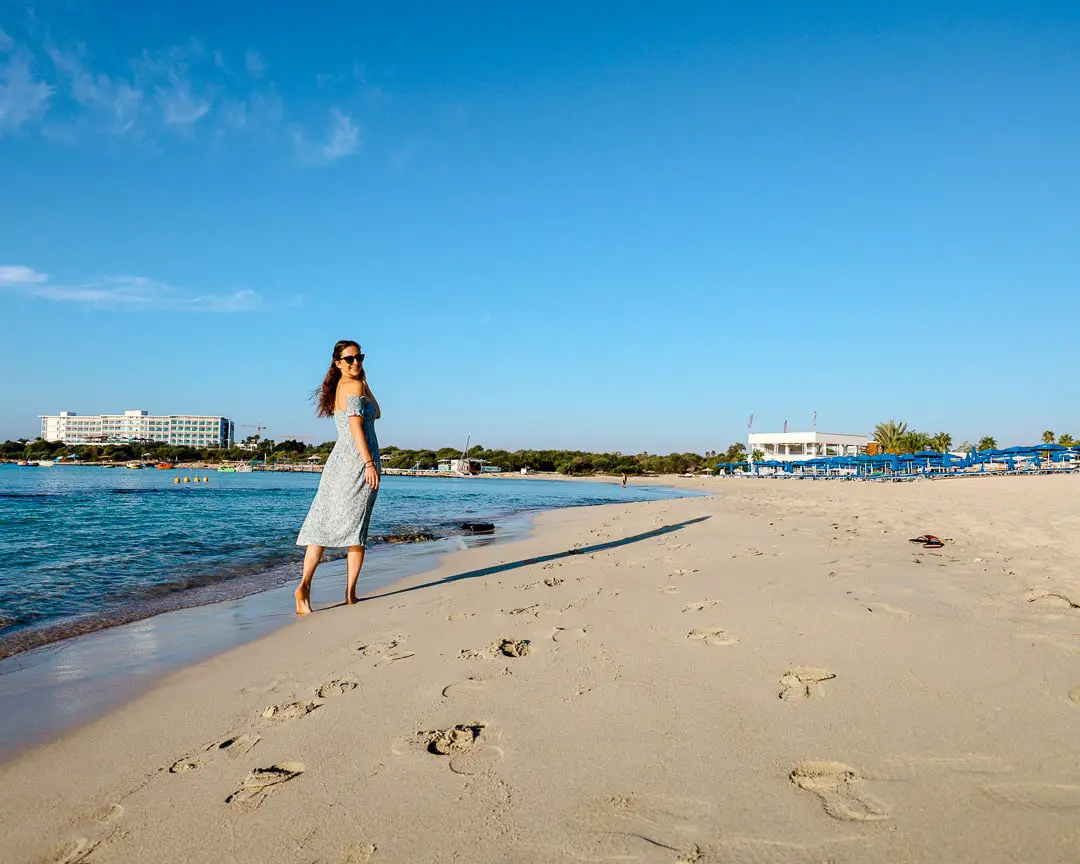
[258, 427]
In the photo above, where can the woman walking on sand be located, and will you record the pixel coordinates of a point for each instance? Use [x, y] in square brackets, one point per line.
[341, 511]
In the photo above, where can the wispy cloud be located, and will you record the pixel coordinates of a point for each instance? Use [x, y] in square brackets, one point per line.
[23, 95]
[117, 102]
[136, 293]
[342, 139]
[69, 94]
[254, 63]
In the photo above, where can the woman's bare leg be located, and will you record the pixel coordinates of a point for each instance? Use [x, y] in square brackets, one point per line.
[303, 594]
[355, 562]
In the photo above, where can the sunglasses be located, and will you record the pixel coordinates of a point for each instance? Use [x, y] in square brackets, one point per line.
[353, 358]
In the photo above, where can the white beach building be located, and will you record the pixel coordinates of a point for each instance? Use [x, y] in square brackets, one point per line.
[794, 446]
[180, 430]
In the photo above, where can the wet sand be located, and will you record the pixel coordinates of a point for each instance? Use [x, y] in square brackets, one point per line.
[771, 674]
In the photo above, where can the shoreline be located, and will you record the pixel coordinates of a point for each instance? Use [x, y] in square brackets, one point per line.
[261, 610]
[771, 673]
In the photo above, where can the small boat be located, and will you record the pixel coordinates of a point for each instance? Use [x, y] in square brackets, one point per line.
[134, 466]
[227, 469]
[26, 463]
[45, 463]
[164, 466]
[243, 469]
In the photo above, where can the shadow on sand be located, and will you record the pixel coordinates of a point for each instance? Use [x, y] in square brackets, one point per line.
[542, 559]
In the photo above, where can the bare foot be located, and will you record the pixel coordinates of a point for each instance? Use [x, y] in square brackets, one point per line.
[303, 600]
[350, 599]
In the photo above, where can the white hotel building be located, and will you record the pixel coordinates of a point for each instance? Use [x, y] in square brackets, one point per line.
[180, 430]
[795, 446]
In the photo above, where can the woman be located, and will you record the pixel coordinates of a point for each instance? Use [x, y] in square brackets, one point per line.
[341, 511]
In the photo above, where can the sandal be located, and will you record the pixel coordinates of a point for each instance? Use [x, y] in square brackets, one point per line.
[922, 538]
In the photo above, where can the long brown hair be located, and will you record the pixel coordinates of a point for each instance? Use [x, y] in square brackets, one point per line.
[325, 394]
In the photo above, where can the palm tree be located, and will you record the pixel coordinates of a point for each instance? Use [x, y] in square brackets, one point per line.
[942, 442]
[890, 436]
[913, 442]
[1048, 437]
[987, 443]
[1066, 440]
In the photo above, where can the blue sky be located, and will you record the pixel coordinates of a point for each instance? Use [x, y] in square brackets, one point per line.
[620, 227]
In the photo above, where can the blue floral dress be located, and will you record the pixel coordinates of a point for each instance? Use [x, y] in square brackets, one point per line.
[341, 511]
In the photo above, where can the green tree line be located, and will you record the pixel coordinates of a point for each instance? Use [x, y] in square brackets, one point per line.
[570, 462]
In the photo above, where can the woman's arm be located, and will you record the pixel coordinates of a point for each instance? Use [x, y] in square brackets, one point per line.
[371, 396]
[356, 429]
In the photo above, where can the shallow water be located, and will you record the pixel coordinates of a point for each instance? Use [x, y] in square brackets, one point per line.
[72, 658]
[83, 547]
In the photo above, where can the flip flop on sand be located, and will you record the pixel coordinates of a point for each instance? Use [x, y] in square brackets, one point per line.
[928, 541]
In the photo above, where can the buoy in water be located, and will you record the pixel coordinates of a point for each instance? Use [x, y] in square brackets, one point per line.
[205, 480]
[175, 479]
[187, 479]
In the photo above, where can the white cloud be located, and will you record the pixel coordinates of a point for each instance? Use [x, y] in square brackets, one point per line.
[182, 90]
[23, 95]
[136, 293]
[181, 107]
[342, 139]
[118, 103]
[18, 275]
[254, 63]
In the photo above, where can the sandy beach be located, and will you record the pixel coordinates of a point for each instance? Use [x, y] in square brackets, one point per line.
[770, 674]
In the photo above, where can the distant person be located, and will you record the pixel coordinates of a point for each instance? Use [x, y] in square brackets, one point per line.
[624, 479]
[341, 511]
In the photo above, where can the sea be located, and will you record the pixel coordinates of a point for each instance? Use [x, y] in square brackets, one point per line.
[111, 576]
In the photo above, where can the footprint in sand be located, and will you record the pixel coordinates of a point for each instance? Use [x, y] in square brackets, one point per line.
[360, 853]
[503, 647]
[802, 682]
[468, 745]
[513, 647]
[524, 610]
[76, 851]
[837, 785]
[236, 746]
[669, 589]
[459, 616]
[1074, 695]
[712, 636]
[1039, 796]
[261, 782]
[468, 687]
[385, 649]
[337, 687]
[289, 711]
[568, 634]
[700, 605]
[550, 582]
